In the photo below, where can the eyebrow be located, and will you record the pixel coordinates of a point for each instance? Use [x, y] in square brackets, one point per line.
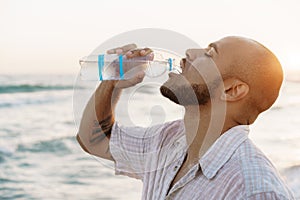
[214, 45]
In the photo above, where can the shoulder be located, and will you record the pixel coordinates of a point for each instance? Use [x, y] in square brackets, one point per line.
[170, 128]
[269, 196]
[170, 125]
[167, 132]
[259, 175]
[176, 126]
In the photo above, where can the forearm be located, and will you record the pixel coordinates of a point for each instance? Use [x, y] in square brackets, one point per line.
[97, 120]
[98, 116]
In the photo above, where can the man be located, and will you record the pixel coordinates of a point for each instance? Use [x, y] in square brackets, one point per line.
[227, 85]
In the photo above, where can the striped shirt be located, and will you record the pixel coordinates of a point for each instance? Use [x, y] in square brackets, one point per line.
[232, 168]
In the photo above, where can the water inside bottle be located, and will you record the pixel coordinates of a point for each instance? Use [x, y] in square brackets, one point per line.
[114, 67]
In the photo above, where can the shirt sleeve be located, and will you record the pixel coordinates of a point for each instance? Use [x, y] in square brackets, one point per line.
[131, 147]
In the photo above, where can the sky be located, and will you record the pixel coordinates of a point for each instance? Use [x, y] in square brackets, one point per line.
[50, 36]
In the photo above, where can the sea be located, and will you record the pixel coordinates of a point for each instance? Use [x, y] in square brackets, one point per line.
[41, 159]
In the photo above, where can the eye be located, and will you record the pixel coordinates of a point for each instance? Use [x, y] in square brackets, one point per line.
[182, 63]
[209, 52]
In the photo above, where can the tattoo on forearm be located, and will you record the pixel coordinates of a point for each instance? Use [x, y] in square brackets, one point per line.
[102, 129]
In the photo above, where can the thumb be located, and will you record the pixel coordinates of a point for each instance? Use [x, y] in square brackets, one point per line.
[131, 82]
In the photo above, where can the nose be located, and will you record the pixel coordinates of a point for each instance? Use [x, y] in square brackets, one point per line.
[192, 54]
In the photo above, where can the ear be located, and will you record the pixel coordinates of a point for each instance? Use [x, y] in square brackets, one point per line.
[234, 90]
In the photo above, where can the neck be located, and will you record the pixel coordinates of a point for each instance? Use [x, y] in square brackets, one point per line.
[203, 126]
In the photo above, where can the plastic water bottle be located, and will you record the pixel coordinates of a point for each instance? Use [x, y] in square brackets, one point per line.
[119, 67]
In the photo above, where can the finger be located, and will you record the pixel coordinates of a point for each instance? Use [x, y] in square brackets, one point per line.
[145, 51]
[128, 47]
[119, 51]
[133, 53]
[115, 51]
[128, 54]
[138, 52]
[123, 49]
[148, 55]
[110, 51]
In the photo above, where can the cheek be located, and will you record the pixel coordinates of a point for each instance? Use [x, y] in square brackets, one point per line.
[204, 72]
[221, 64]
[194, 76]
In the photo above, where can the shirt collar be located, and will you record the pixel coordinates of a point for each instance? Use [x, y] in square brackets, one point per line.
[222, 149]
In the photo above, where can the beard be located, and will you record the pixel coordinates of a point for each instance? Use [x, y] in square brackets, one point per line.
[189, 94]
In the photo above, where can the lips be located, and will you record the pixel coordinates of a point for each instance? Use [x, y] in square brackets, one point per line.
[172, 74]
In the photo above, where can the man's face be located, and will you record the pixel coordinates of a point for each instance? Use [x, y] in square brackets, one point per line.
[199, 79]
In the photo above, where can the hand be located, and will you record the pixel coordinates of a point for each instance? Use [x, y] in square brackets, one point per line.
[131, 52]
[122, 50]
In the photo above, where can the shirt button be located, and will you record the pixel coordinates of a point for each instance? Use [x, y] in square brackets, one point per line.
[175, 168]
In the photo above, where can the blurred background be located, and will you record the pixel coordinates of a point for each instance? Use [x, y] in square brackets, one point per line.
[41, 42]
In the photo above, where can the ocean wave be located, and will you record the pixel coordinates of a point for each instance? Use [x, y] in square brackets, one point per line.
[26, 102]
[292, 174]
[39, 98]
[4, 152]
[55, 146]
[1, 161]
[292, 171]
[32, 88]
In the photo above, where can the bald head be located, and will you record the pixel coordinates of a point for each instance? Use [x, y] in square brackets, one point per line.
[254, 64]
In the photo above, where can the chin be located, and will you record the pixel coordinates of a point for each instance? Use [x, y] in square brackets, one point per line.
[185, 95]
[167, 92]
